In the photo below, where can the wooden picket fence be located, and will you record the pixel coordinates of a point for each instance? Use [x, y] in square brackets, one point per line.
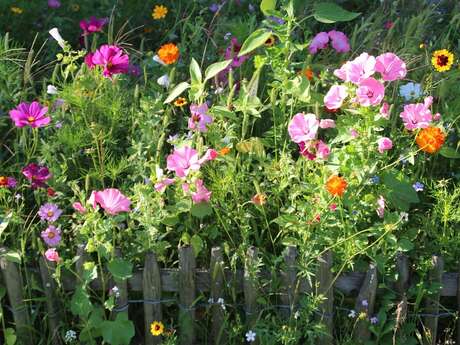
[188, 282]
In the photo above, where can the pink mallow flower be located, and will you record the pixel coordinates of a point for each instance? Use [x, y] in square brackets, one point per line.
[77, 206]
[339, 41]
[183, 160]
[51, 236]
[381, 206]
[199, 118]
[49, 212]
[314, 149]
[303, 127]
[32, 115]
[92, 25]
[36, 174]
[385, 111]
[358, 69]
[417, 115]
[201, 194]
[370, 92]
[319, 42]
[52, 255]
[384, 144]
[111, 200]
[113, 60]
[335, 97]
[54, 3]
[326, 123]
[390, 66]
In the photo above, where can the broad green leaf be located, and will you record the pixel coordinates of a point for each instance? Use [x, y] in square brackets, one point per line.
[197, 244]
[176, 92]
[4, 222]
[328, 12]
[254, 41]
[216, 68]
[171, 220]
[2, 292]
[201, 210]
[120, 268]
[10, 336]
[267, 5]
[195, 72]
[401, 193]
[118, 332]
[80, 304]
[12, 257]
[405, 245]
[447, 152]
[222, 112]
[252, 145]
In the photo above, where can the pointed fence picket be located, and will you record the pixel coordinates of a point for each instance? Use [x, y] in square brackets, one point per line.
[190, 283]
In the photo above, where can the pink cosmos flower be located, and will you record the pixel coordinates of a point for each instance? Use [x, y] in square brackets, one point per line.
[111, 200]
[201, 194]
[32, 115]
[339, 41]
[51, 236]
[92, 25]
[112, 59]
[417, 115]
[358, 69]
[320, 41]
[390, 66]
[303, 127]
[384, 144]
[54, 3]
[89, 60]
[381, 206]
[335, 96]
[199, 118]
[52, 255]
[77, 206]
[326, 123]
[385, 110]
[183, 160]
[36, 174]
[370, 92]
[49, 212]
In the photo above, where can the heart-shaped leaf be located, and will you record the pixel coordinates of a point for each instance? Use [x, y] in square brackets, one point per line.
[328, 12]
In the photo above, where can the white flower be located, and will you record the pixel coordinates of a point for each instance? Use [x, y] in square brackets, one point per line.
[296, 315]
[410, 91]
[70, 336]
[54, 32]
[250, 336]
[157, 59]
[51, 90]
[163, 81]
[404, 216]
[221, 301]
[352, 314]
[115, 291]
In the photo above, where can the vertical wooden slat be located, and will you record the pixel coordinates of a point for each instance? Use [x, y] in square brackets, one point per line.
[430, 322]
[250, 289]
[14, 285]
[324, 280]
[82, 258]
[217, 291]
[187, 294]
[290, 281]
[365, 303]
[458, 306]
[152, 292]
[47, 269]
[402, 284]
[121, 301]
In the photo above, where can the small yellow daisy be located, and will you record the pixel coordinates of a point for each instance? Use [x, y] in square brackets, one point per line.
[75, 7]
[159, 12]
[180, 102]
[157, 328]
[442, 60]
[16, 10]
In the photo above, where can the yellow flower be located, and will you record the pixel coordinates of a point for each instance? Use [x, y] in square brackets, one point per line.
[75, 7]
[16, 10]
[157, 328]
[180, 102]
[442, 60]
[159, 12]
[362, 315]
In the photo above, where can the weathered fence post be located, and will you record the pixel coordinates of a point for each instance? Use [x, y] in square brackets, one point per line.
[290, 281]
[121, 293]
[151, 283]
[217, 291]
[47, 269]
[14, 285]
[458, 307]
[250, 289]
[402, 284]
[325, 287]
[82, 258]
[365, 304]
[430, 321]
[187, 294]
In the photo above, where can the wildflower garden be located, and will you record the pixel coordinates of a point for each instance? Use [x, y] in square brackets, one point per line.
[229, 172]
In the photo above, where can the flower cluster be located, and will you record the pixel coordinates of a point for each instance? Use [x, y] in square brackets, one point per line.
[339, 41]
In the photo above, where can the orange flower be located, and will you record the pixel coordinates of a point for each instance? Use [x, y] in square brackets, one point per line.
[308, 72]
[3, 181]
[224, 151]
[430, 139]
[168, 53]
[336, 185]
[259, 199]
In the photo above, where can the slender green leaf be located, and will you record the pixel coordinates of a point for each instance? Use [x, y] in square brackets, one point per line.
[216, 68]
[176, 92]
[254, 41]
[328, 12]
[195, 72]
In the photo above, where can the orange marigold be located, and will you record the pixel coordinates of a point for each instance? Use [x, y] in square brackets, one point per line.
[430, 139]
[308, 73]
[336, 185]
[3, 181]
[168, 53]
[224, 151]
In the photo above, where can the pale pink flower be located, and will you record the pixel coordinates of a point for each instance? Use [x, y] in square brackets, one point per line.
[201, 194]
[335, 96]
[161, 185]
[77, 206]
[320, 41]
[52, 255]
[358, 69]
[326, 123]
[49, 212]
[354, 133]
[322, 150]
[384, 144]
[183, 160]
[381, 206]
[303, 127]
[51, 236]
[385, 110]
[339, 41]
[199, 118]
[370, 92]
[111, 200]
[314, 149]
[417, 115]
[390, 66]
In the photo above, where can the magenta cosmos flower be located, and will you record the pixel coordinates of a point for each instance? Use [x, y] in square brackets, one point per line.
[370, 92]
[384, 144]
[111, 200]
[417, 115]
[335, 97]
[51, 236]
[112, 59]
[52, 255]
[339, 41]
[232, 53]
[183, 160]
[358, 69]
[36, 174]
[199, 118]
[201, 194]
[303, 127]
[49, 212]
[32, 115]
[92, 25]
[390, 66]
